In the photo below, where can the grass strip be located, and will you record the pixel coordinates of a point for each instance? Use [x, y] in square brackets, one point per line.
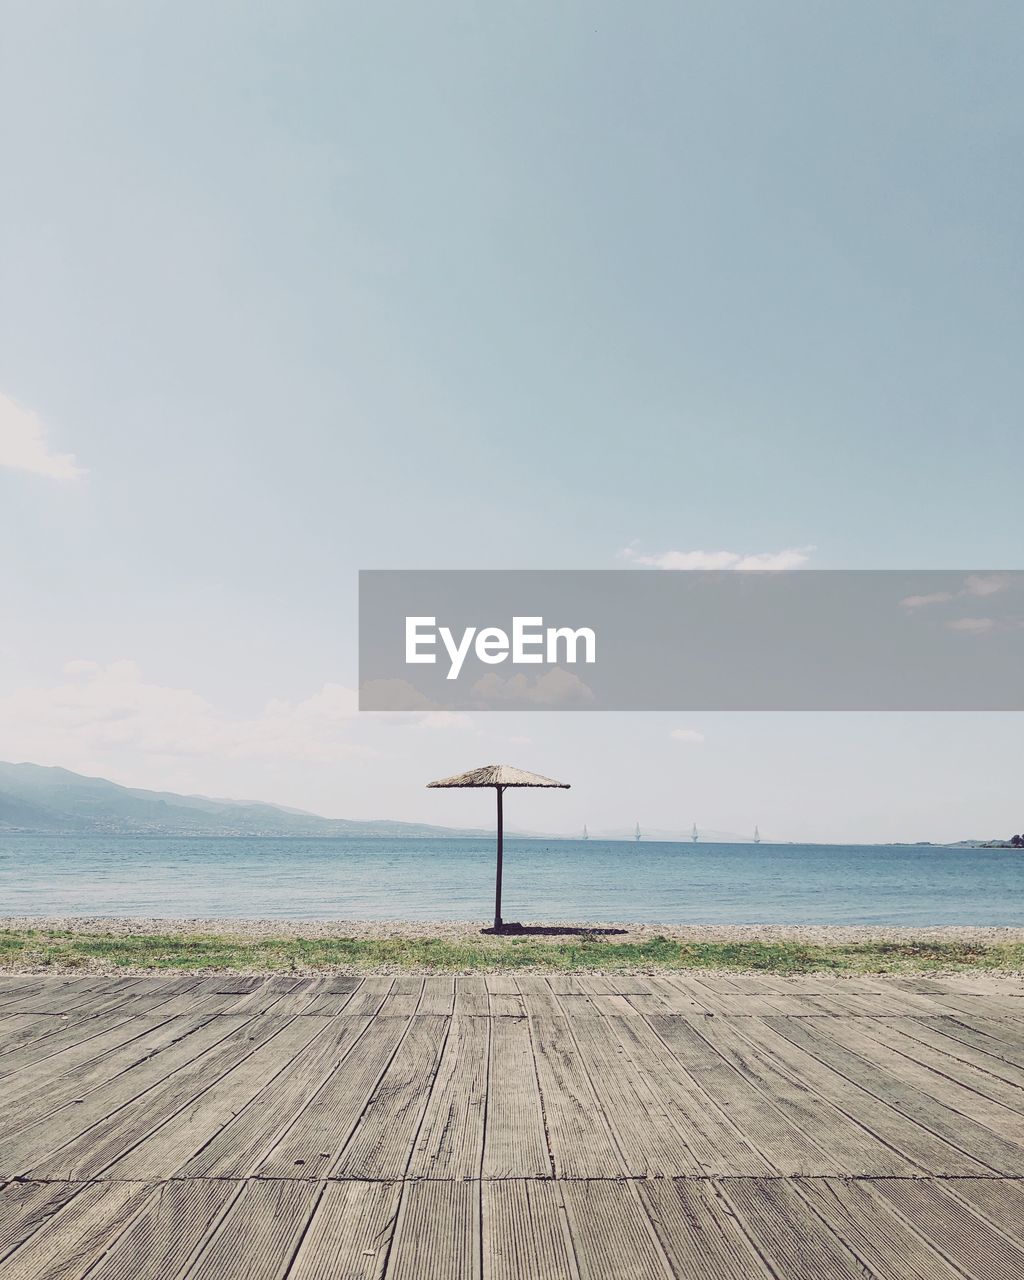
[33, 949]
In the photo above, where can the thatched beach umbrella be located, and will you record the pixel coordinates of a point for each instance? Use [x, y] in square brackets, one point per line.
[498, 776]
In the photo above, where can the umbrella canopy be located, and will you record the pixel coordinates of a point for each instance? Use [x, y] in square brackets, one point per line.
[498, 776]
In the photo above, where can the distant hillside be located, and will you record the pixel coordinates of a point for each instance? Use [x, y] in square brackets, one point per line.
[55, 801]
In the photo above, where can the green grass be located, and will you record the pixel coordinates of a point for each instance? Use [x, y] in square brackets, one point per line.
[69, 951]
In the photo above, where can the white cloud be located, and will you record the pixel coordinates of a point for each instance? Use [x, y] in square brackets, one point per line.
[556, 688]
[975, 585]
[111, 709]
[792, 558]
[936, 597]
[23, 445]
[445, 720]
[979, 586]
[686, 735]
[976, 625]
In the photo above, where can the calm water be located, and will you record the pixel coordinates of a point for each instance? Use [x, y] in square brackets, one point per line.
[558, 880]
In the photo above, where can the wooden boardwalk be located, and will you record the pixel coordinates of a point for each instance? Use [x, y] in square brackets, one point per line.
[510, 1127]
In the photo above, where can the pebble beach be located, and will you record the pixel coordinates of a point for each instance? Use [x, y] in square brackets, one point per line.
[477, 931]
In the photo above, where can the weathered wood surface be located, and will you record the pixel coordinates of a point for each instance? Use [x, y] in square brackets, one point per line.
[556, 1127]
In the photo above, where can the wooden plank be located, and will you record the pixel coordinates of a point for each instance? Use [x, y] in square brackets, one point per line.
[89, 1152]
[1009, 1009]
[300, 995]
[23, 1148]
[997, 1199]
[677, 994]
[169, 985]
[25, 1206]
[562, 983]
[337, 983]
[538, 998]
[237, 984]
[805, 1005]
[54, 997]
[650, 1143]
[972, 1122]
[719, 1146]
[873, 1230]
[604, 999]
[787, 1148]
[438, 994]
[852, 1148]
[951, 1227]
[1007, 1032]
[471, 995]
[795, 1242]
[929, 1033]
[525, 1232]
[451, 1138]
[573, 1000]
[382, 1140]
[930, 1153]
[611, 1232]
[769, 984]
[93, 1059]
[350, 1235]
[260, 1232]
[69, 1243]
[975, 1035]
[438, 1232]
[503, 996]
[137, 998]
[319, 1003]
[37, 1092]
[698, 1231]
[902, 998]
[58, 1037]
[403, 999]
[191, 1003]
[273, 996]
[515, 1144]
[716, 982]
[965, 1077]
[319, 1133]
[165, 1237]
[368, 997]
[239, 1147]
[14, 985]
[625, 984]
[24, 1031]
[580, 1141]
[191, 1127]
[739, 1004]
[974, 1140]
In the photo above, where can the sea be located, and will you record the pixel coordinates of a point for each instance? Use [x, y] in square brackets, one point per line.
[544, 880]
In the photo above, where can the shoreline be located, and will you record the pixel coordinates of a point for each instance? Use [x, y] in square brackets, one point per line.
[258, 929]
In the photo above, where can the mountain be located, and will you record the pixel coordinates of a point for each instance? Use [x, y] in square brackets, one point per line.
[34, 798]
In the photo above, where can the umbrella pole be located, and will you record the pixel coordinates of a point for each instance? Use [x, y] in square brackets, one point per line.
[497, 883]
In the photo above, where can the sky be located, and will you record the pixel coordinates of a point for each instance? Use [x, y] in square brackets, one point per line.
[293, 290]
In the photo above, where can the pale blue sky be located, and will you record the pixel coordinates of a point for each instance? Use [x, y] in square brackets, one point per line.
[315, 287]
